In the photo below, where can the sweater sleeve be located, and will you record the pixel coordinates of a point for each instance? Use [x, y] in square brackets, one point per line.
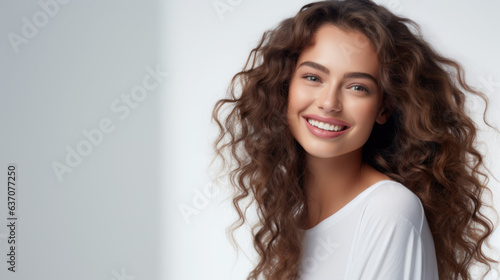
[392, 241]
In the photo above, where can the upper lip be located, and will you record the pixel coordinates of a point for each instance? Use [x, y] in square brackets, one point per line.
[326, 120]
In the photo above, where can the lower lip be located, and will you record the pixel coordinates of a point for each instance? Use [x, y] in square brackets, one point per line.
[324, 133]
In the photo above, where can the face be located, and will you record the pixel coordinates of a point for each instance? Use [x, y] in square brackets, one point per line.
[334, 98]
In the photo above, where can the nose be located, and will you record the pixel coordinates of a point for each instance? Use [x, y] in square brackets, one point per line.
[330, 100]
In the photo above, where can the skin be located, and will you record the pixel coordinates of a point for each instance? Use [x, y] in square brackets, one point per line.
[321, 86]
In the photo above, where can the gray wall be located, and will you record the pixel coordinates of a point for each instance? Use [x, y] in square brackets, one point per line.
[64, 70]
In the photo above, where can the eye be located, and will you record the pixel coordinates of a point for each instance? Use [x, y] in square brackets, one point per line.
[360, 88]
[311, 78]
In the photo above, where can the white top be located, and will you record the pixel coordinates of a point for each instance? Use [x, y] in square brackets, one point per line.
[381, 234]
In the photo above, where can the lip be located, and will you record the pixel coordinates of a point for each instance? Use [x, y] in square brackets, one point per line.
[327, 120]
[323, 133]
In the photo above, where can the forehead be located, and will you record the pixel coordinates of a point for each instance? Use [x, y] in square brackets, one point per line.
[341, 50]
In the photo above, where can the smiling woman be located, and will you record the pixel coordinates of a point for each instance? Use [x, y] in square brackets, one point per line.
[334, 93]
[351, 137]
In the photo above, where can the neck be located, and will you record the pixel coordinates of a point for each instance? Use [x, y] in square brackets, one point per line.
[333, 173]
[331, 183]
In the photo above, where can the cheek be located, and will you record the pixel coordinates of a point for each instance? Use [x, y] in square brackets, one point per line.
[293, 100]
[363, 113]
[291, 110]
[298, 98]
[295, 105]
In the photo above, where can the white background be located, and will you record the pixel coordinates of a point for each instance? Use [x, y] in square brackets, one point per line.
[118, 214]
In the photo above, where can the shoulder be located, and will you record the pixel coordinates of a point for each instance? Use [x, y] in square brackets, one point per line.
[393, 202]
[392, 239]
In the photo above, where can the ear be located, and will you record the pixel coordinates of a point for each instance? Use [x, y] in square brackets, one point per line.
[383, 115]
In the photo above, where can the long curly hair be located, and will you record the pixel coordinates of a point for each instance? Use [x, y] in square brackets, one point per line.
[428, 144]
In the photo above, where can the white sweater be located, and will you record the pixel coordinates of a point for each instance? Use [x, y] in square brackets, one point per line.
[381, 234]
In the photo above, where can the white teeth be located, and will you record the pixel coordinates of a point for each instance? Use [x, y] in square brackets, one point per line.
[325, 126]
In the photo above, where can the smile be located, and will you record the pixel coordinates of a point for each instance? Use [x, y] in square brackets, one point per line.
[323, 127]
[326, 126]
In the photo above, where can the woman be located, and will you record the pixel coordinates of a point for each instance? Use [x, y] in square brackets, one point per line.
[351, 137]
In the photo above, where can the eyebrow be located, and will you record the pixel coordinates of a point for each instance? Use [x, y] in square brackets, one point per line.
[325, 70]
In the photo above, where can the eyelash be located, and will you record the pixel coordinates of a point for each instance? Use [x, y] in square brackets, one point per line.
[309, 76]
[362, 88]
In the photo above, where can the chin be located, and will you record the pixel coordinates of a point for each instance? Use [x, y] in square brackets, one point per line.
[325, 153]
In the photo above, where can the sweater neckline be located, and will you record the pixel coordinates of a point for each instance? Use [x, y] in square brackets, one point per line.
[342, 212]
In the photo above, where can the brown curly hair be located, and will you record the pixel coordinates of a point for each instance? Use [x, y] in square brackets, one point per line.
[428, 144]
